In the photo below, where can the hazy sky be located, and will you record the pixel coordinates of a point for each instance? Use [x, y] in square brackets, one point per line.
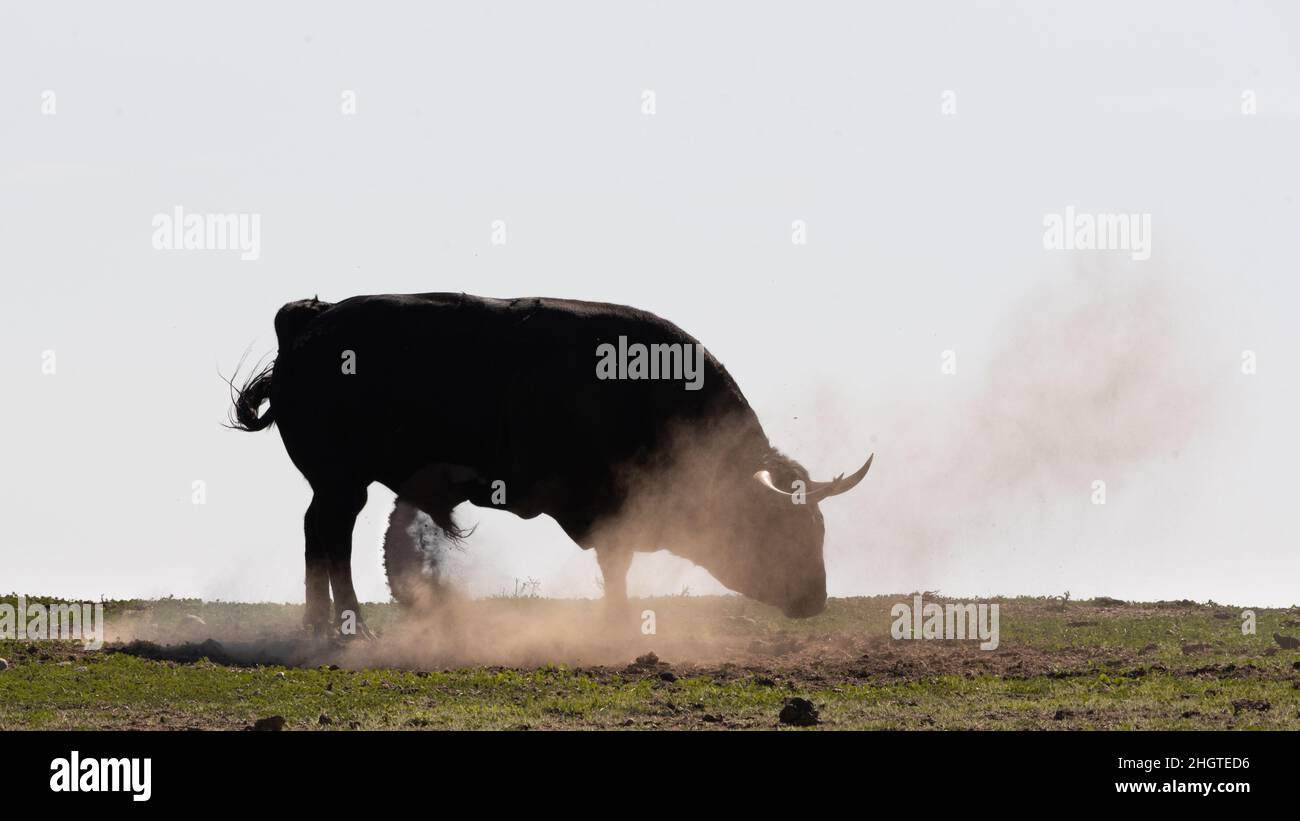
[924, 234]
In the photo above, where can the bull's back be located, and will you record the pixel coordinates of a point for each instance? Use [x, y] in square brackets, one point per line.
[508, 386]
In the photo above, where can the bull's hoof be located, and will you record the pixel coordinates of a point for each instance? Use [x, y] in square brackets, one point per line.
[348, 624]
[360, 630]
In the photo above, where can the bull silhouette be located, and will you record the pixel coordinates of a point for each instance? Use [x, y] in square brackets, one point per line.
[516, 404]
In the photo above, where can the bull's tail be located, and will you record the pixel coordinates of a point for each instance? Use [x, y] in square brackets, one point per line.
[248, 400]
[290, 323]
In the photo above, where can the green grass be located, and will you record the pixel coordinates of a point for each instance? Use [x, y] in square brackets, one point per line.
[1060, 665]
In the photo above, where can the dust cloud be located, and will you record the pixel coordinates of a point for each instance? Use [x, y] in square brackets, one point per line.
[1094, 380]
[523, 632]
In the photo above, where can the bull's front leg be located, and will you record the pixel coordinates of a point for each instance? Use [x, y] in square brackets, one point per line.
[614, 562]
[328, 525]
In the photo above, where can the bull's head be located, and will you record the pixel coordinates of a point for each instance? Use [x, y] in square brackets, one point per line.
[770, 545]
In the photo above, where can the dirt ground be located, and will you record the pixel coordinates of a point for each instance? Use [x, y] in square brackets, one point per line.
[709, 663]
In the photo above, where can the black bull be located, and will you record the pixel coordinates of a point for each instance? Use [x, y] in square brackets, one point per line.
[447, 398]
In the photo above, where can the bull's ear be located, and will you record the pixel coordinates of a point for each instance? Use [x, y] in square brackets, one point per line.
[764, 479]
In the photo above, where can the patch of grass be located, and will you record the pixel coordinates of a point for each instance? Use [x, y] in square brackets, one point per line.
[1061, 665]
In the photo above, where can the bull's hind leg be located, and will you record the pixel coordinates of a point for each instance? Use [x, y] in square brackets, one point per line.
[328, 525]
[415, 556]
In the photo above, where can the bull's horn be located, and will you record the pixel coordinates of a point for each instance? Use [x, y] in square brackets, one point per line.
[840, 484]
[816, 491]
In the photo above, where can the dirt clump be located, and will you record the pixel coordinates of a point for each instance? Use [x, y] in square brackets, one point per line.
[272, 724]
[799, 712]
[1257, 705]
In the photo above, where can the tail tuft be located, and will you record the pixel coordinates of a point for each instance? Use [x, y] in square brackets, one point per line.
[246, 401]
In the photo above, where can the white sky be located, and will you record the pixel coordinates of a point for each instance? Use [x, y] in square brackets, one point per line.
[924, 234]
